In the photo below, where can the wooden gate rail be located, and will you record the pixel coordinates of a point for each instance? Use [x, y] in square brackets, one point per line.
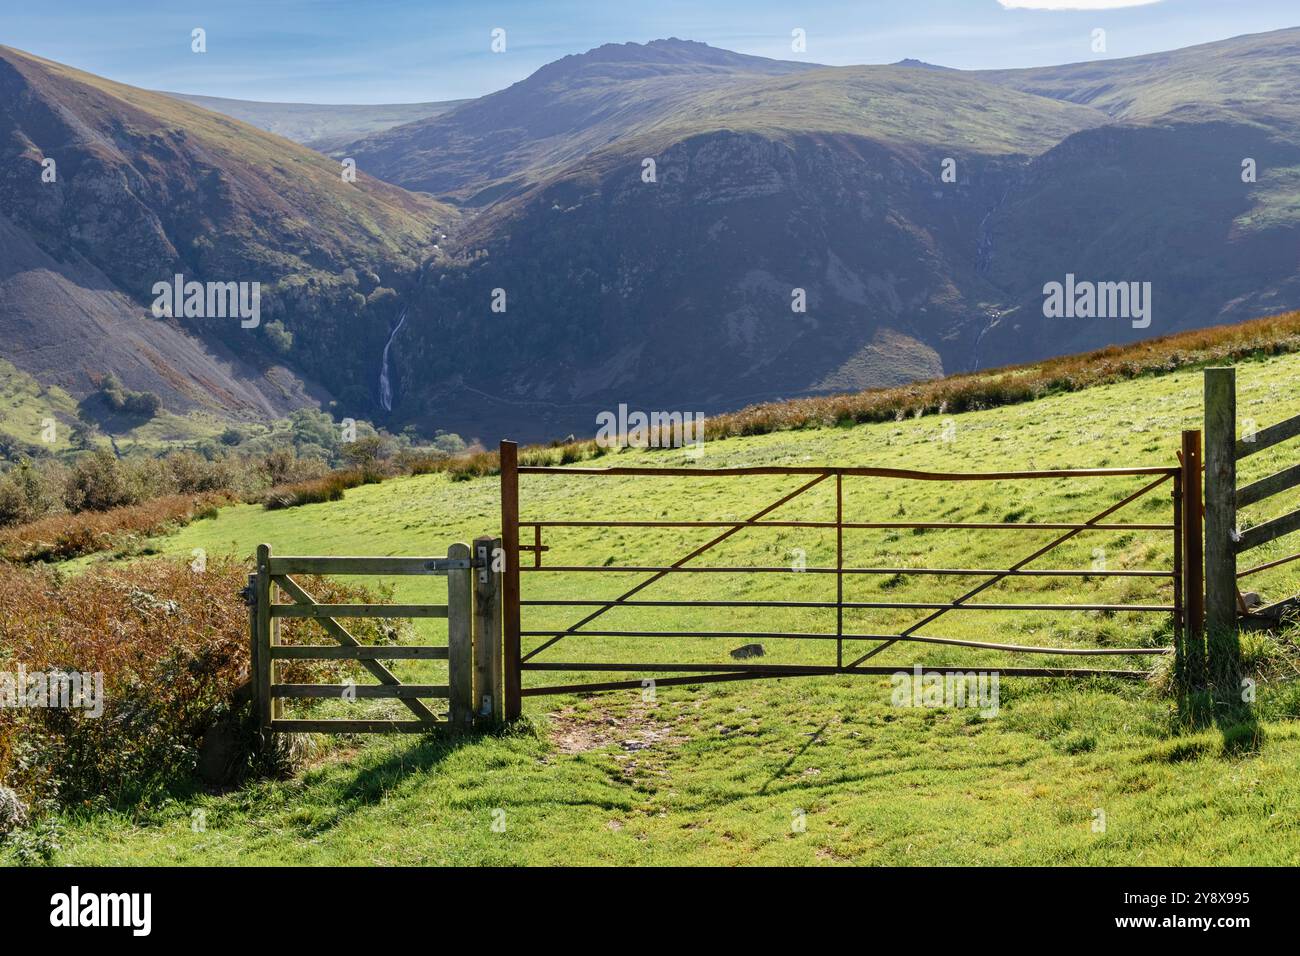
[512, 525]
[470, 652]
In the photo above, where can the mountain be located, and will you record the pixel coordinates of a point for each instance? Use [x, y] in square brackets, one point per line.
[146, 187]
[1157, 194]
[559, 114]
[920, 64]
[1244, 79]
[677, 294]
[323, 127]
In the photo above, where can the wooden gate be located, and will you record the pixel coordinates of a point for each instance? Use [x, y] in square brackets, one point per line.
[472, 651]
[1224, 602]
[1183, 529]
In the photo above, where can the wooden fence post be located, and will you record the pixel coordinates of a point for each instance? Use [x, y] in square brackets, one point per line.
[460, 652]
[487, 630]
[510, 653]
[1193, 557]
[254, 652]
[262, 636]
[1220, 501]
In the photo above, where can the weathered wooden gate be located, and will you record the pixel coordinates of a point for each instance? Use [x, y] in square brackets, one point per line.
[472, 651]
[1183, 528]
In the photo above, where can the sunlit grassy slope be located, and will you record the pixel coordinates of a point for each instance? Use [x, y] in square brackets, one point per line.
[717, 773]
[26, 407]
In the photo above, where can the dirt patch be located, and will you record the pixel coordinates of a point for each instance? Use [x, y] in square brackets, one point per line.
[639, 729]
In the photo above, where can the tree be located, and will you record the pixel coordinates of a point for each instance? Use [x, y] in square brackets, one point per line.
[280, 338]
[364, 452]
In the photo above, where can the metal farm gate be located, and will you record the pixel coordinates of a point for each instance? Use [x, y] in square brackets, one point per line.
[529, 648]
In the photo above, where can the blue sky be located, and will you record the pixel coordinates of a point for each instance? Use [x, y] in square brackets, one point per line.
[372, 51]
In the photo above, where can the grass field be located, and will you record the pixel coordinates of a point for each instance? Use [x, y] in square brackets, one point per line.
[725, 773]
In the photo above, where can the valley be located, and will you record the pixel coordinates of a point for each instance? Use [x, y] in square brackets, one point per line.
[916, 215]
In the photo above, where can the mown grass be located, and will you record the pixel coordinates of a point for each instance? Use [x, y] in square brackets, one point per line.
[717, 773]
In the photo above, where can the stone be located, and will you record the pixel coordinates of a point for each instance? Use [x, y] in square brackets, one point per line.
[13, 812]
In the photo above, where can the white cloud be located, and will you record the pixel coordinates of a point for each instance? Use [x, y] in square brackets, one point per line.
[1073, 4]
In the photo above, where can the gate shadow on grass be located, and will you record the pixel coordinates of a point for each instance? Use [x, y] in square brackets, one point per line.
[369, 784]
[813, 738]
[1217, 701]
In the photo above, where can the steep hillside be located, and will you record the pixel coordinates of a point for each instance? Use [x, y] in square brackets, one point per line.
[147, 187]
[321, 126]
[66, 324]
[1245, 79]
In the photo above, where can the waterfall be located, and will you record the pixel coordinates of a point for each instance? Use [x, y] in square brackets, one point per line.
[385, 382]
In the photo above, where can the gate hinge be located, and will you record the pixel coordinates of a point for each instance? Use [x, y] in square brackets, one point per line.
[443, 565]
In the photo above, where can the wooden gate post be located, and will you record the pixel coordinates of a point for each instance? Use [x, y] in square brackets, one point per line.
[460, 648]
[1220, 502]
[510, 653]
[254, 648]
[487, 630]
[1193, 582]
[262, 637]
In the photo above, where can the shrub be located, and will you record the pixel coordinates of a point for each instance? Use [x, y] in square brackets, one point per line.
[325, 488]
[98, 482]
[283, 466]
[30, 490]
[280, 338]
[191, 472]
[118, 398]
[172, 646]
[364, 452]
[62, 537]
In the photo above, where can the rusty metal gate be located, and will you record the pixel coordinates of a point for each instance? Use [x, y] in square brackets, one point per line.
[1186, 611]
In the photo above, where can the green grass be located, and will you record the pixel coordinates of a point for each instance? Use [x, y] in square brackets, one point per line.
[725, 770]
[26, 406]
[716, 773]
